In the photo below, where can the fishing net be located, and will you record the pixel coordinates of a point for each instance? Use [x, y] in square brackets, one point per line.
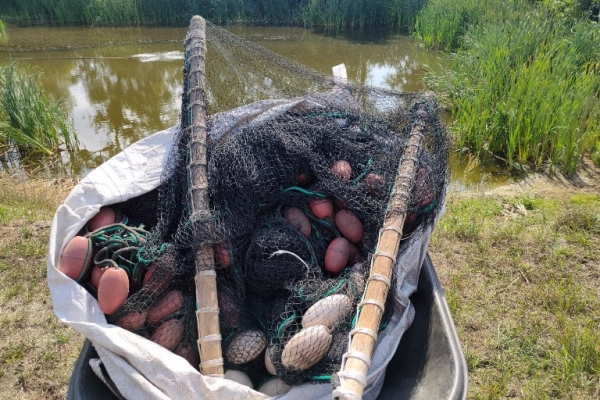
[300, 167]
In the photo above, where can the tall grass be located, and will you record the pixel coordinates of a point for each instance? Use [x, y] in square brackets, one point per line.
[569, 8]
[443, 23]
[362, 14]
[359, 14]
[404, 12]
[111, 12]
[29, 120]
[153, 12]
[526, 89]
[3, 35]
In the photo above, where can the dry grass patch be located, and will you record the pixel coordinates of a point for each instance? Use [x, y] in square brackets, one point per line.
[521, 277]
[37, 352]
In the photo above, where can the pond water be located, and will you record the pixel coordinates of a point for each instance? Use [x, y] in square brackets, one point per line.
[123, 84]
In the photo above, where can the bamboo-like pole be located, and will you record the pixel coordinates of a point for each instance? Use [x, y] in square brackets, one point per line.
[207, 314]
[357, 360]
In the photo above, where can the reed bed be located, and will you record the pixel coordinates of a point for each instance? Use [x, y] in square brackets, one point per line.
[357, 14]
[443, 23]
[3, 35]
[30, 122]
[152, 12]
[362, 14]
[525, 88]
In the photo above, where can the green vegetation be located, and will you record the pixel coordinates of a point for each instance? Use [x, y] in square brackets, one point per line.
[522, 85]
[363, 14]
[571, 8]
[38, 352]
[442, 24]
[3, 35]
[29, 120]
[152, 12]
[520, 276]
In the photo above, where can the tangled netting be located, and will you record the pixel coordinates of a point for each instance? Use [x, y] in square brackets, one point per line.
[299, 181]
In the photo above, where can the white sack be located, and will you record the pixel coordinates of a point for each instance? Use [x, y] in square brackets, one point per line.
[142, 369]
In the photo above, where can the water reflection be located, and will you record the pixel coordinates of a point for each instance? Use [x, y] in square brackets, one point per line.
[123, 84]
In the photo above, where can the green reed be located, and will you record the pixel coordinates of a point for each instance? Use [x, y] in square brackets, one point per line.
[357, 14]
[362, 14]
[111, 12]
[153, 12]
[526, 89]
[29, 120]
[3, 35]
[443, 23]
[404, 12]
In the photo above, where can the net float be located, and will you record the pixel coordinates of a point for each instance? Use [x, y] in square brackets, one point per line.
[340, 204]
[274, 387]
[168, 334]
[106, 216]
[240, 377]
[113, 289]
[422, 193]
[303, 177]
[373, 183]
[298, 220]
[132, 321]
[269, 363]
[168, 304]
[337, 255]
[330, 311]
[76, 257]
[355, 256]
[156, 279]
[321, 208]
[410, 219]
[246, 346]
[306, 348]
[349, 226]
[230, 312]
[223, 254]
[189, 352]
[342, 169]
[331, 220]
[97, 273]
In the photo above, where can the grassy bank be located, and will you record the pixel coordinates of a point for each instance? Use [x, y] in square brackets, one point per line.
[523, 84]
[30, 121]
[36, 350]
[521, 275]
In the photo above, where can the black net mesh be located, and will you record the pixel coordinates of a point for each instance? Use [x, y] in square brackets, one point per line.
[299, 177]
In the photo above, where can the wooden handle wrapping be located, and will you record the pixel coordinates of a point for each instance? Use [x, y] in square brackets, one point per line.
[209, 336]
[364, 336]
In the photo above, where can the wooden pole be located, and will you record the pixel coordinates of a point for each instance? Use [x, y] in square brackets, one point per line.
[207, 314]
[355, 367]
